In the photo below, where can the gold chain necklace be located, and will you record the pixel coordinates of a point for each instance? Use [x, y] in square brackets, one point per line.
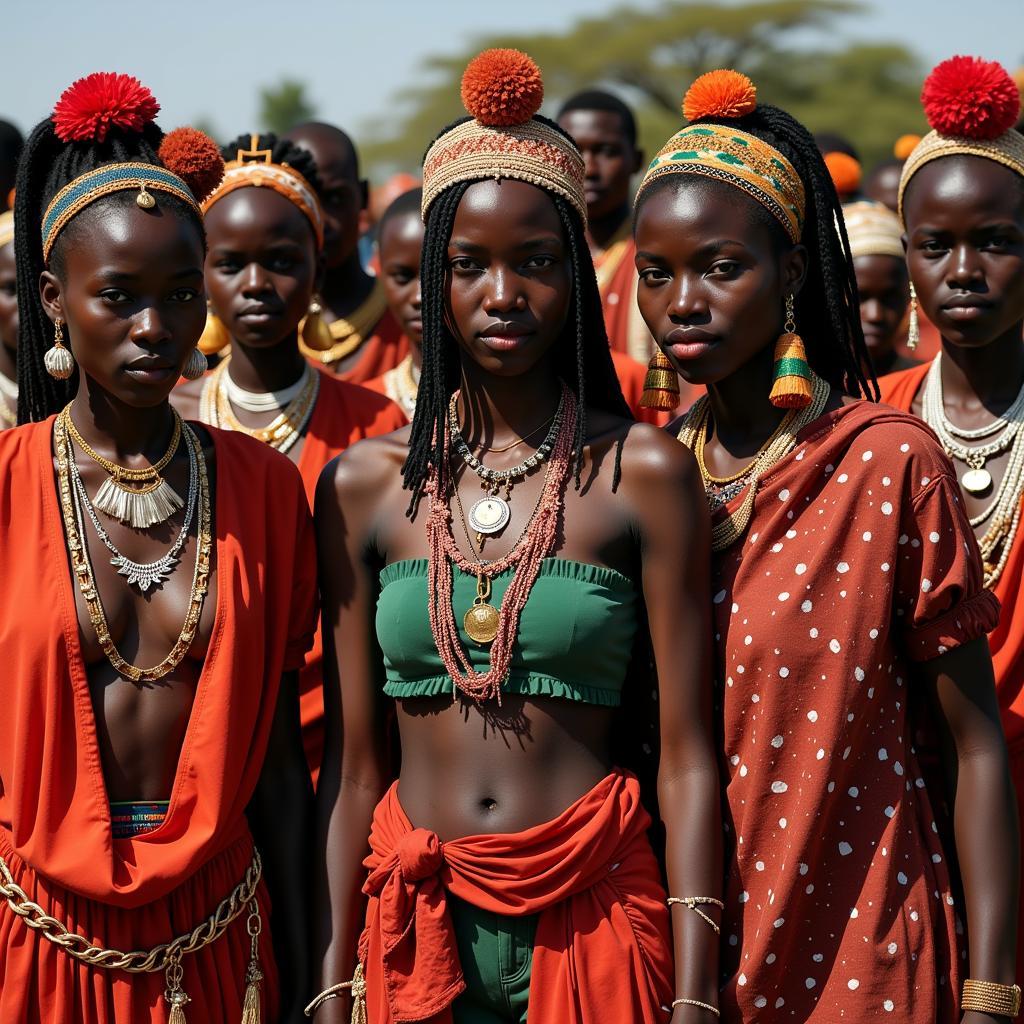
[350, 331]
[281, 433]
[701, 442]
[139, 497]
[402, 386]
[82, 566]
[727, 531]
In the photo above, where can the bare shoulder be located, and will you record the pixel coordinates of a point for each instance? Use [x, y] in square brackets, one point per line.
[370, 468]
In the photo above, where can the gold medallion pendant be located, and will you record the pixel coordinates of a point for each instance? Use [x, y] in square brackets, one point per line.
[481, 621]
[977, 480]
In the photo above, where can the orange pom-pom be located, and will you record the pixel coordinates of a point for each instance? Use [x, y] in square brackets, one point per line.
[844, 171]
[502, 87]
[194, 157]
[905, 145]
[722, 94]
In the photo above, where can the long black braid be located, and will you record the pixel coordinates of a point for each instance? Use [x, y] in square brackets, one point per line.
[587, 367]
[47, 165]
[828, 306]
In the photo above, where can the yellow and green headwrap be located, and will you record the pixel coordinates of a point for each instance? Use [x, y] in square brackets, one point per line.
[726, 153]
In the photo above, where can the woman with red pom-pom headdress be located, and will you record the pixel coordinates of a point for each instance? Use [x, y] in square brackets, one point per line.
[487, 569]
[962, 204]
[848, 594]
[160, 596]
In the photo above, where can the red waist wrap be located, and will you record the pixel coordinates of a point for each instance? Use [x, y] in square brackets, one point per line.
[602, 949]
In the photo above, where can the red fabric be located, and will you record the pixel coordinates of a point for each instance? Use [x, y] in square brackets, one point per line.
[602, 950]
[856, 563]
[382, 351]
[54, 808]
[344, 413]
[1006, 641]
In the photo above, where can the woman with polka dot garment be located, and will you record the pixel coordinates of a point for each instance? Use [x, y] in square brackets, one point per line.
[847, 593]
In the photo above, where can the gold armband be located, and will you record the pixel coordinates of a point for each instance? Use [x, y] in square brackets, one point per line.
[988, 997]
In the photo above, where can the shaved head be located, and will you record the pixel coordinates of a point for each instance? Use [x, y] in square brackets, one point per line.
[334, 152]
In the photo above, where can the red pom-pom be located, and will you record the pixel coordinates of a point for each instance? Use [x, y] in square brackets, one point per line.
[971, 98]
[193, 156]
[502, 87]
[723, 93]
[90, 107]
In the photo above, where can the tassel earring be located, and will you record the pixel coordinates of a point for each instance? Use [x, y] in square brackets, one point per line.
[661, 385]
[59, 362]
[215, 336]
[195, 366]
[791, 388]
[914, 327]
[314, 332]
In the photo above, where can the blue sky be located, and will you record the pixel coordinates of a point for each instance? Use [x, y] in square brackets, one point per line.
[208, 58]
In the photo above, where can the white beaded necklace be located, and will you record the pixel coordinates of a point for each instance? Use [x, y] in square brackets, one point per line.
[265, 401]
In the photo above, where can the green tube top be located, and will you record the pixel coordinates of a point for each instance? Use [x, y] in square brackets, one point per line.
[575, 633]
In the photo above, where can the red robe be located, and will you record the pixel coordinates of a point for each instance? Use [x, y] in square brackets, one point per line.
[602, 951]
[856, 564]
[55, 833]
[344, 414]
[1006, 641]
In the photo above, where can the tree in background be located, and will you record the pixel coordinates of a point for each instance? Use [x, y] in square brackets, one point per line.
[793, 49]
[285, 105]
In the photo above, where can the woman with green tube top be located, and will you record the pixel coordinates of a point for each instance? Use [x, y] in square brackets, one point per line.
[484, 576]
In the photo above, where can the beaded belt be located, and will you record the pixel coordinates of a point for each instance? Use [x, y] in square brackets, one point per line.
[166, 957]
[131, 818]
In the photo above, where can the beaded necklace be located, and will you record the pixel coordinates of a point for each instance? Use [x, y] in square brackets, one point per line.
[483, 623]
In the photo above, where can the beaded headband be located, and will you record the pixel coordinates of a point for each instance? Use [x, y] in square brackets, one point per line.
[971, 106]
[502, 90]
[123, 177]
[253, 168]
[727, 154]
[6, 228]
[873, 230]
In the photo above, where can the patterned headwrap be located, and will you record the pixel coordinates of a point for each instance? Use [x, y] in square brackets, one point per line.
[873, 230]
[725, 153]
[972, 106]
[502, 90]
[253, 168]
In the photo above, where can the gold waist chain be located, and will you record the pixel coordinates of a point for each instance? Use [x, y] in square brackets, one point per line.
[166, 957]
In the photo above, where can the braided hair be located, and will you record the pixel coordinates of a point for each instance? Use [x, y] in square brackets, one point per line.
[282, 151]
[587, 368]
[47, 165]
[828, 306]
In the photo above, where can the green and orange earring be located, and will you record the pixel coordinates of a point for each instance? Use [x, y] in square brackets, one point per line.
[791, 388]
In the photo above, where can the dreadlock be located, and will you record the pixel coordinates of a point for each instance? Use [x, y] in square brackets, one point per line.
[587, 368]
[282, 151]
[828, 306]
[46, 166]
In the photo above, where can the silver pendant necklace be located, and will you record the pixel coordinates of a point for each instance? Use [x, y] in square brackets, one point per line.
[142, 574]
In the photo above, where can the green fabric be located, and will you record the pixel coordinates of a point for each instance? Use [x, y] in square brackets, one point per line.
[496, 953]
[574, 641]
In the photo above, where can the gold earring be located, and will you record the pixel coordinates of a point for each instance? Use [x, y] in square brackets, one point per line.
[195, 366]
[661, 385]
[914, 327]
[59, 361]
[215, 336]
[314, 332]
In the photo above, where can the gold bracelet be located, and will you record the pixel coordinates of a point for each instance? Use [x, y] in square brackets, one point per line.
[357, 986]
[693, 903]
[696, 1002]
[988, 997]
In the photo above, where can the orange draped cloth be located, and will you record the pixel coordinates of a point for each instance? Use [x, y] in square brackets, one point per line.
[55, 827]
[344, 413]
[602, 951]
[1006, 641]
[382, 351]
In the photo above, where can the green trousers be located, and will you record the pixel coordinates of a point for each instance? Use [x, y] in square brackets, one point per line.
[497, 959]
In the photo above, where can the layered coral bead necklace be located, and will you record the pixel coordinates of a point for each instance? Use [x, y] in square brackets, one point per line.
[484, 624]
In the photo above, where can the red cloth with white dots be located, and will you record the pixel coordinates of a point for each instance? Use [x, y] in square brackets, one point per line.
[858, 562]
